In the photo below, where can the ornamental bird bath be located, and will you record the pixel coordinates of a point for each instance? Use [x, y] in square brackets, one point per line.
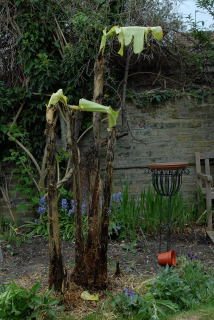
[167, 180]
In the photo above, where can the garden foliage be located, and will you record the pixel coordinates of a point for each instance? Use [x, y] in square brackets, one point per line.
[17, 303]
[172, 290]
[130, 217]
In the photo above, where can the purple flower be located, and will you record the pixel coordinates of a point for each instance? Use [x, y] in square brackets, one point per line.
[73, 203]
[41, 210]
[42, 202]
[70, 212]
[130, 293]
[72, 209]
[64, 204]
[192, 256]
[116, 197]
[84, 208]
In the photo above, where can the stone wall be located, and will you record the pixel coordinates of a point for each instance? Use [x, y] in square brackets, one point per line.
[173, 131]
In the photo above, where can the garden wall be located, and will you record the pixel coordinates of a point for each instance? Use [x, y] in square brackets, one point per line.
[173, 131]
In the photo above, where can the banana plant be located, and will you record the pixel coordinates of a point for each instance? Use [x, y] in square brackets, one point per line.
[91, 256]
[126, 35]
[84, 105]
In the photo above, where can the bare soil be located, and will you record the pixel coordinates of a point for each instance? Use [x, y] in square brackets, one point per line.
[28, 263]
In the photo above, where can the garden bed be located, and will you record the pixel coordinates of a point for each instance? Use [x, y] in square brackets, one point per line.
[29, 262]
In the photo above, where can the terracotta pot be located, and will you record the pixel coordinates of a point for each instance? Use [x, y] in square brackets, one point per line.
[168, 257]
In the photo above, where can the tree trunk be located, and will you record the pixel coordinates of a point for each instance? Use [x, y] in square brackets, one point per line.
[92, 254]
[79, 269]
[56, 271]
[91, 259]
[101, 267]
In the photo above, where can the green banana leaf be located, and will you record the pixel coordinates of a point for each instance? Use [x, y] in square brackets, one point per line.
[127, 34]
[56, 97]
[86, 105]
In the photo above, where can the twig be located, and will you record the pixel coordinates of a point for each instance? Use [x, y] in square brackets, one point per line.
[16, 116]
[5, 194]
[26, 151]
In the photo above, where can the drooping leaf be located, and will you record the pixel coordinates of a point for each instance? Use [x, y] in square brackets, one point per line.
[86, 105]
[157, 32]
[128, 34]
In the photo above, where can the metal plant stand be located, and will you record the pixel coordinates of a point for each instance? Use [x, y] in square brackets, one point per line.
[167, 180]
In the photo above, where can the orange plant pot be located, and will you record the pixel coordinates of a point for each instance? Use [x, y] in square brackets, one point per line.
[168, 257]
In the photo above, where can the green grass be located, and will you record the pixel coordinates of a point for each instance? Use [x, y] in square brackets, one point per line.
[142, 214]
[201, 312]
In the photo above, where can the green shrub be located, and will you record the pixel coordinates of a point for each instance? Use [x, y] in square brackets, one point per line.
[17, 303]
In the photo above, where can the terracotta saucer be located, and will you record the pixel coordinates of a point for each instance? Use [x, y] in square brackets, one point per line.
[168, 165]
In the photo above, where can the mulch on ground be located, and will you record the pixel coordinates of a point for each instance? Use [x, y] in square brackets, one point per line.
[28, 263]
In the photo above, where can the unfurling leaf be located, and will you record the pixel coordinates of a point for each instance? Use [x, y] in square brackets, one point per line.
[128, 34]
[85, 295]
[56, 97]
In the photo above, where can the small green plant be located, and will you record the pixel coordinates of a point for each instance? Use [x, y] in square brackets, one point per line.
[9, 232]
[17, 303]
[173, 290]
[130, 215]
[39, 225]
[144, 307]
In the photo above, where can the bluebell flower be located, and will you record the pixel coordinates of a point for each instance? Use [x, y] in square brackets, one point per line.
[64, 204]
[116, 197]
[130, 293]
[41, 210]
[71, 211]
[72, 208]
[42, 202]
[84, 208]
[36, 221]
[73, 203]
[118, 228]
